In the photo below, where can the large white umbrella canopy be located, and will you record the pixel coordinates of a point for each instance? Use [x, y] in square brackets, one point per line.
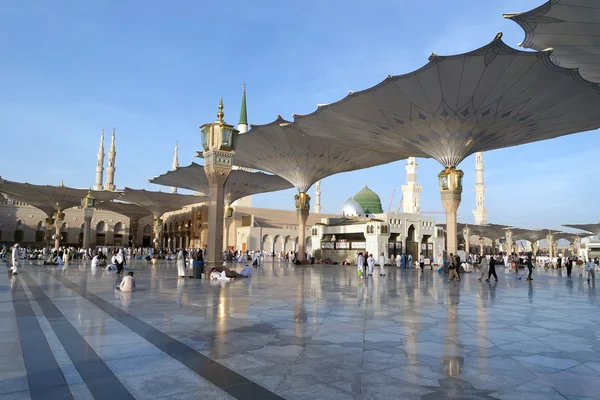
[55, 198]
[571, 28]
[592, 228]
[301, 159]
[159, 203]
[130, 210]
[486, 99]
[239, 183]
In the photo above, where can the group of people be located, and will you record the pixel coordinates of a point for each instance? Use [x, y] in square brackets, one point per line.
[368, 263]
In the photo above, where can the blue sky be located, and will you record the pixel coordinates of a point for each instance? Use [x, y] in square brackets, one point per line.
[155, 70]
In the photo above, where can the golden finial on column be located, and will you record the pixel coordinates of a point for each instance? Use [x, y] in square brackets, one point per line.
[62, 182]
[220, 114]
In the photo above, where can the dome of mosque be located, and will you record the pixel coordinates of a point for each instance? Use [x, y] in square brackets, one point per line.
[369, 201]
[351, 208]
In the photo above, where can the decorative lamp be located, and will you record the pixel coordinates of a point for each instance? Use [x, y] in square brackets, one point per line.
[219, 135]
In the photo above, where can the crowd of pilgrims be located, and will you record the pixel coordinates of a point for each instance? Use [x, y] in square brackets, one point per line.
[115, 259]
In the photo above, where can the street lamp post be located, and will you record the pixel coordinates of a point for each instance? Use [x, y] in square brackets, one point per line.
[218, 142]
[451, 190]
[88, 204]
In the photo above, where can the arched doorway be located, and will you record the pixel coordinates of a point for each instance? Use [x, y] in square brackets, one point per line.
[39, 232]
[101, 233]
[118, 234]
[267, 244]
[412, 247]
[147, 236]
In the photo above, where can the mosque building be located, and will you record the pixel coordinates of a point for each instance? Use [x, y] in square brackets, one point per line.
[361, 225]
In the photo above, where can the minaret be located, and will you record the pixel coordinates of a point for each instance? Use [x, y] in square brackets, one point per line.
[100, 164]
[243, 124]
[110, 169]
[411, 192]
[175, 165]
[480, 212]
[318, 197]
[243, 128]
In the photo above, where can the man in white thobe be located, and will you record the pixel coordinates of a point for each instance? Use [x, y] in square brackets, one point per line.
[381, 264]
[127, 283]
[360, 262]
[180, 264]
[371, 264]
[15, 258]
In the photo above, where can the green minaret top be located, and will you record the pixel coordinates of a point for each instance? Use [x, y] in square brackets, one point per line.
[243, 112]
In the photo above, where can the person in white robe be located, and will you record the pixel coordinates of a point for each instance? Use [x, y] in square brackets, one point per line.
[371, 264]
[127, 283]
[398, 261]
[381, 264]
[95, 261]
[180, 264]
[120, 261]
[360, 262]
[15, 259]
[219, 276]
[484, 268]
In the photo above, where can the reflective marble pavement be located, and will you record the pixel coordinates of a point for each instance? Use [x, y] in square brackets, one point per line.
[313, 332]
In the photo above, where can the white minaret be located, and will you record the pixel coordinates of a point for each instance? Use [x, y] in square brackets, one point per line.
[100, 164]
[110, 169]
[318, 197]
[480, 212]
[411, 192]
[175, 165]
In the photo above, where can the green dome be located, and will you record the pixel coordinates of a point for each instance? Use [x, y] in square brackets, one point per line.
[369, 201]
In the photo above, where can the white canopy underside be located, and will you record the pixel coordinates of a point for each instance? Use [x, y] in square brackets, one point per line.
[239, 183]
[300, 159]
[489, 98]
[131, 211]
[571, 28]
[51, 198]
[593, 228]
[159, 203]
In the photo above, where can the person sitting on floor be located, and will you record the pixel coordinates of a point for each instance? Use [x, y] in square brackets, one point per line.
[219, 276]
[246, 272]
[127, 283]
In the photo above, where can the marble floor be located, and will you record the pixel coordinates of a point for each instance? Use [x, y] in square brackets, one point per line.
[313, 332]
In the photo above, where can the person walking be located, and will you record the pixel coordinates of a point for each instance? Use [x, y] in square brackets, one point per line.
[452, 269]
[590, 266]
[529, 266]
[492, 269]
[403, 260]
[457, 264]
[360, 261]
[569, 265]
[381, 264]
[371, 264]
[15, 259]
[483, 268]
[421, 261]
[410, 261]
[180, 264]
